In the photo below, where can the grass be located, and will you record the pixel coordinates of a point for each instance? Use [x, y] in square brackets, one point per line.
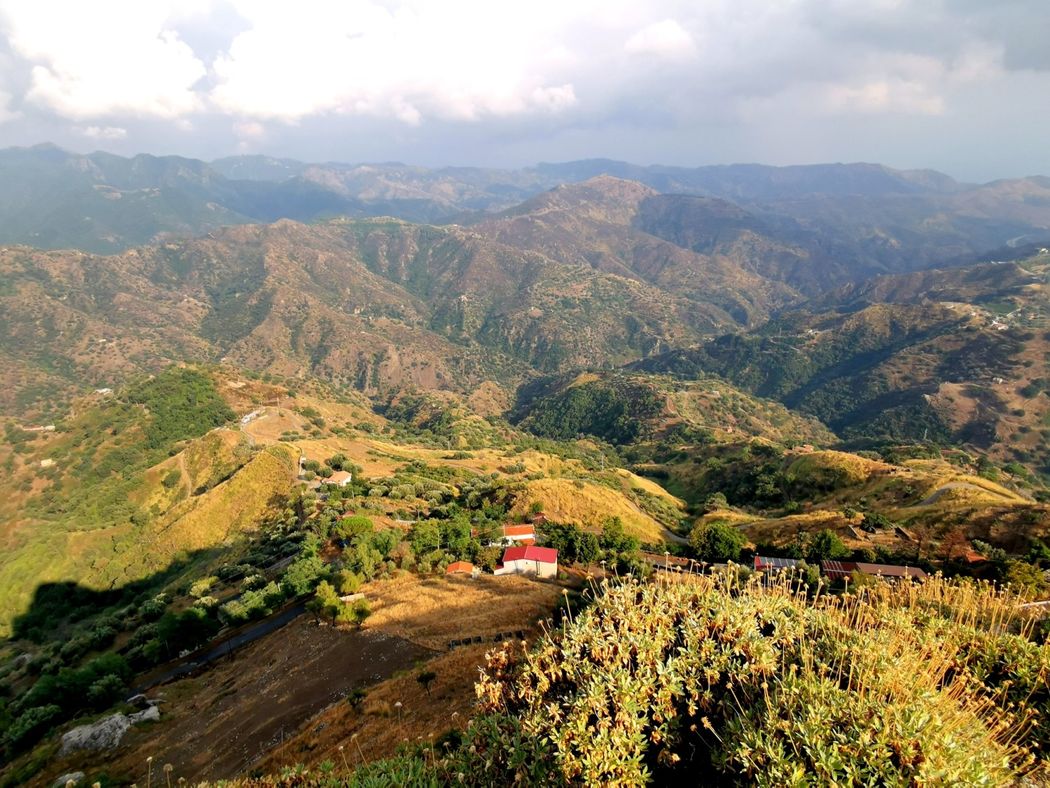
[206, 521]
[835, 467]
[433, 611]
[429, 612]
[588, 505]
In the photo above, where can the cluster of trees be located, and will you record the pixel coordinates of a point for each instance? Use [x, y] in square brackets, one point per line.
[615, 409]
[327, 604]
[55, 697]
[719, 541]
[612, 545]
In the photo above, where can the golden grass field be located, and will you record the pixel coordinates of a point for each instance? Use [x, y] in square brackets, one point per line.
[587, 505]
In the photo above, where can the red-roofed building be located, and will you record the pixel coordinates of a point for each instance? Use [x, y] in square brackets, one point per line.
[519, 534]
[460, 568]
[838, 570]
[771, 564]
[530, 560]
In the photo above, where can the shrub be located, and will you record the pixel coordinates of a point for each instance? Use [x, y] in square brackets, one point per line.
[747, 683]
[716, 542]
[31, 724]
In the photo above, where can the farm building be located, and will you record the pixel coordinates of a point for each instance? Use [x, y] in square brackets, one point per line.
[460, 568]
[519, 534]
[768, 564]
[837, 570]
[341, 478]
[531, 560]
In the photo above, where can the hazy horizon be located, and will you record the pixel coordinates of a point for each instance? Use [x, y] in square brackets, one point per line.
[89, 150]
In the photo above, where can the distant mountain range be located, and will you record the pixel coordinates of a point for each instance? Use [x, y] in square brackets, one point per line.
[896, 220]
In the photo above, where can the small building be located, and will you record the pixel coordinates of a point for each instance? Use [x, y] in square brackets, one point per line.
[340, 478]
[530, 560]
[765, 563]
[460, 568]
[838, 570]
[519, 534]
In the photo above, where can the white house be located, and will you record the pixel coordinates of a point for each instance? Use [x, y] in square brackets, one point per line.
[342, 478]
[530, 560]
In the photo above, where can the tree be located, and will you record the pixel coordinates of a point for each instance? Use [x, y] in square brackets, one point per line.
[825, 545]
[1025, 577]
[715, 501]
[615, 538]
[354, 613]
[716, 541]
[347, 582]
[588, 550]
[873, 521]
[355, 526]
[302, 575]
[425, 537]
[326, 602]
[426, 678]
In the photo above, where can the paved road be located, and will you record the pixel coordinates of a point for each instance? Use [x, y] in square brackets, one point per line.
[226, 647]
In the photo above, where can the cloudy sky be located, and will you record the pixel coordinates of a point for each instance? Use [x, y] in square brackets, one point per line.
[958, 85]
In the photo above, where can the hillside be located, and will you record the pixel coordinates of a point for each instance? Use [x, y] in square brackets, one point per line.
[956, 356]
[172, 518]
[238, 467]
[374, 304]
[630, 408]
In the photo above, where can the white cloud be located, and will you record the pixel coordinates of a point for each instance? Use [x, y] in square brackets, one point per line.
[93, 59]
[461, 60]
[103, 132]
[662, 39]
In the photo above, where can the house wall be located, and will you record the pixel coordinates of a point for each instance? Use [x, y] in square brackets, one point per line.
[523, 567]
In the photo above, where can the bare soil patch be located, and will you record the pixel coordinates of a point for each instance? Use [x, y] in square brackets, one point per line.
[219, 724]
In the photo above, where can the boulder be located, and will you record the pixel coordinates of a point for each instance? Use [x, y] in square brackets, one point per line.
[139, 701]
[106, 733]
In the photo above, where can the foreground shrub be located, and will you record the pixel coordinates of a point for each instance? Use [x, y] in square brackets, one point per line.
[694, 679]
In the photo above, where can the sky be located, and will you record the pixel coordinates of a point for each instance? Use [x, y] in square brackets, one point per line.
[962, 86]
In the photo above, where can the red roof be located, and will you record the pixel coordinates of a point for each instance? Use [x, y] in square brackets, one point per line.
[518, 530]
[544, 555]
[459, 566]
[840, 569]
